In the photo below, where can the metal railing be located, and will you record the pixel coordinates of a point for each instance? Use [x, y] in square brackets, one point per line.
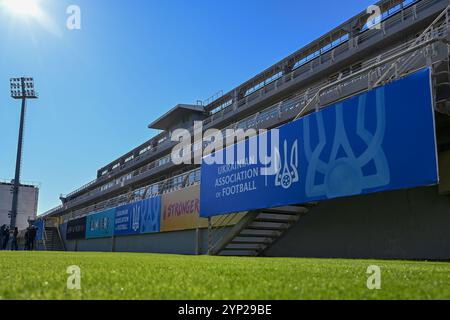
[218, 227]
[435, 29]
[157, 141]
[52, 211]
[324, 45]
[408, 9]
[401, 56]
[173, 184]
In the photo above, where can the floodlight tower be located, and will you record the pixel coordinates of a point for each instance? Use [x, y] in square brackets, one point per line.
[21, 89]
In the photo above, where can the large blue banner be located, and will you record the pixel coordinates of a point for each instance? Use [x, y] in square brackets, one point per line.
[39, 224]
[139, 217]
[100, 225]
[381, 140]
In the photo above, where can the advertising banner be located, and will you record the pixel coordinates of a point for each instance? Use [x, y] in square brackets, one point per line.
[39, 224]
[381, 140]
[151, 215]
[76, 229]
[181, 210]
[100, 225]
[139, 217]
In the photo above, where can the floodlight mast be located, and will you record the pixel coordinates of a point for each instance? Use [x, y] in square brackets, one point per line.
[23, 89]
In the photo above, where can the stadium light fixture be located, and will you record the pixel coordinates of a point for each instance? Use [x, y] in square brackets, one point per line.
[21, 89]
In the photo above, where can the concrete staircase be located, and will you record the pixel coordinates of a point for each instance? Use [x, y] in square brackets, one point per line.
[258, 231]
[441, 79]
[52, 239]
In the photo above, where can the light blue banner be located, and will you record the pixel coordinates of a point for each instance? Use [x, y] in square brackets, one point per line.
[139, 217]
[100, 225]
[381, 140]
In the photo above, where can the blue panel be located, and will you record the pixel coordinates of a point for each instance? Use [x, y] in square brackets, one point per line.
[139, 217]
[151, 215]
[381, 140]
[127, 220]
[100, 225]
[39, 224]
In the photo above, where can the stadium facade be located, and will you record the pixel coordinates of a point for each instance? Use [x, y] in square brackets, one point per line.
[142, 202]
[28, 204]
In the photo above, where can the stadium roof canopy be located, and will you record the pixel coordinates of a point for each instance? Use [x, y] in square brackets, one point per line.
[177, 112]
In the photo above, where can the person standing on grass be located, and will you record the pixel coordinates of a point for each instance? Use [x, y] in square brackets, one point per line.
[27, 239]
[5, 238]
[14, 245]
[2, 235]
[32, 236]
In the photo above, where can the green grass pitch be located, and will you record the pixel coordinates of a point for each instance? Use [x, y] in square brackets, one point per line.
[43, 275]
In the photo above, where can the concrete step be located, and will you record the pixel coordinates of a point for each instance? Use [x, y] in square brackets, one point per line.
[259, 233]
[245, 246]
[275, 217]
[53, 246]
[287, 210]
[269, 226]
[238, 253]
[262, 240]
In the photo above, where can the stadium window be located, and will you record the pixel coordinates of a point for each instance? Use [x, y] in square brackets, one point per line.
[222, 106]
[196, 176]
[146, 149]
[162, 140]
[191, 178]
[390, 12]
[129, 158]
[177, 182]
[163, 161]
[321, 51]
[264, 83]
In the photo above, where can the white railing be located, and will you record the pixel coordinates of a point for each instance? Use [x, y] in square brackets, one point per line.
[401, 55]
[391, 16]
[169, 185]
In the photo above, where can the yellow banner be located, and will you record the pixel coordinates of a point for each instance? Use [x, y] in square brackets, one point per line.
[181, 210]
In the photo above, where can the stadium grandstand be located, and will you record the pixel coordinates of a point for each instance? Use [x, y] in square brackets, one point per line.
[352, 59]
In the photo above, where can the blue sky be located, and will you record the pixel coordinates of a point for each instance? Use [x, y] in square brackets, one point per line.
[132, 60]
